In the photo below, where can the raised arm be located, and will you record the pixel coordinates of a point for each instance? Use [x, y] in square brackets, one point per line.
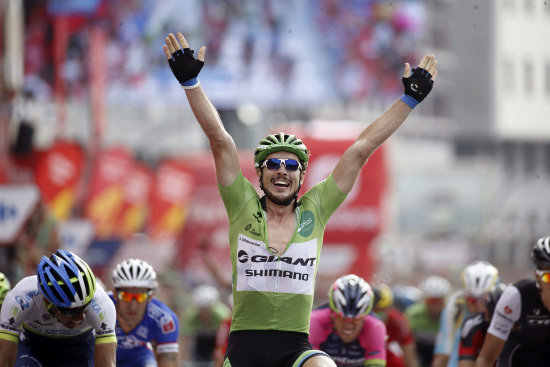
[417, 86]
[186, 69]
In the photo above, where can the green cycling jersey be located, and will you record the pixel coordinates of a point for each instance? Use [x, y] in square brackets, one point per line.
[275, 292]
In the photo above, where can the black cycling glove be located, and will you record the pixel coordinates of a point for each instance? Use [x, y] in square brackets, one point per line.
[417, 87]
[185, 67]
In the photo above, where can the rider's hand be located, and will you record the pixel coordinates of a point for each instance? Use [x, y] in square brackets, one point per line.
[182, 63]
[419, 83]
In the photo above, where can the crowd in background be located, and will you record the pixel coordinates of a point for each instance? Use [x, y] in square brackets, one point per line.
[258, 44]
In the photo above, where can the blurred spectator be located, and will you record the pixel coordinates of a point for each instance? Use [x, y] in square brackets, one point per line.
[424, 316]
[5, 287]
[400, 345]
[201, 321]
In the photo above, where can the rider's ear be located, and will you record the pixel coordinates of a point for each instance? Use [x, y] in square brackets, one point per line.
[302, 176]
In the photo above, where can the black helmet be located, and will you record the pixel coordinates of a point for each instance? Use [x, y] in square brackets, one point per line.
[541, 253]
[493, 297]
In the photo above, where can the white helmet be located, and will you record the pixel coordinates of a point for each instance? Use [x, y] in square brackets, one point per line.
[478, 278]
[205, 296]
[435, 287]
[134, 273]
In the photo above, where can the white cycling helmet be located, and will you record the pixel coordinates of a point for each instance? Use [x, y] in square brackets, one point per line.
[134, 273]
[204, 296]
[478, 278]
[435, 287]
[351, 296]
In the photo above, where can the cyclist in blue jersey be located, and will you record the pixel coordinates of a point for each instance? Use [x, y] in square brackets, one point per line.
[146, 329]
[58, 317]
[275, 240]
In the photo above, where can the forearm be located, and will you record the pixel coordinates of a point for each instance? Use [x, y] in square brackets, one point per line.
[105, 355]
[355, 157]
[409, 352]
[440, 360]
[482, 362]
[167, 359]
[206, 114]
[8, 353]
[383, 127]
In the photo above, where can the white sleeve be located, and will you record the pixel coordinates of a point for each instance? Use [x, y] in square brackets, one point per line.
[104, 316]
[507, 312]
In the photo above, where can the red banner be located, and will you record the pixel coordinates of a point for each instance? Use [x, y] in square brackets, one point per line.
[349, 232]
[58, 172]
[358, 220]
[172, 191]
[135, 206]
[106, 191]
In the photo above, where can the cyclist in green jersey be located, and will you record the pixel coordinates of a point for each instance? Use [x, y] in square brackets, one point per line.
[424, 316]
[275, 241]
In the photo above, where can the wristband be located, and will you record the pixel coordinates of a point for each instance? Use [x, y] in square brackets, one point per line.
[409, 101]
[190, 84]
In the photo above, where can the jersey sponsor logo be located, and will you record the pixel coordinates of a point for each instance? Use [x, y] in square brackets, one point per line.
[251, 230]
[260, 270]
[15, 311]
[243, 257]
[130, 342]
[538, 321]
[167, 324]
[501, 327]
[22, 302]
[505, 317]
[507, 310]
[10, 325]
[105, 331]
[277, 273]
[305, 229]
[142, 331]
[257, 216]
[470, 324]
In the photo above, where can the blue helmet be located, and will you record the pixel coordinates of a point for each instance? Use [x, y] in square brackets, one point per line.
[65, 280]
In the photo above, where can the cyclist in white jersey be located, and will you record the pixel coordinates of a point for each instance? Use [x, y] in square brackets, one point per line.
[275, 241]
[58, 317]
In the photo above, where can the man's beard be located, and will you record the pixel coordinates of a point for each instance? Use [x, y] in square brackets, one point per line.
[280, 201]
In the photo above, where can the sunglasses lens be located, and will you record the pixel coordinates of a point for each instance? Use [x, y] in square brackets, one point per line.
[273, 163]
[128, 297]
[70, 312]
[545, 277]
[291, 165]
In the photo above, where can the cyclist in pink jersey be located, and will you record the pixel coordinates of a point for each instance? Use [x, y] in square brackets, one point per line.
[345, 330]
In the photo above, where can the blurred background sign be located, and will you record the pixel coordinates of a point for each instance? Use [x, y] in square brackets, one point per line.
[17, 203]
